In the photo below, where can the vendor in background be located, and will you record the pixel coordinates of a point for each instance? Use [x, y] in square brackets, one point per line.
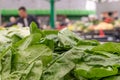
[12, 19]
[60, 25]
[108, 17]
[115, 15]
[24, 20]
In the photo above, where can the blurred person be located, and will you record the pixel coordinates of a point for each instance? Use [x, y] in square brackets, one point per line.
[67, 21]
[108, 17]
[105, 15]
[108, 20]
[60, 26]
[45, 27]
[12, 21]
[115, 15]
[24, 20]
[57, 25]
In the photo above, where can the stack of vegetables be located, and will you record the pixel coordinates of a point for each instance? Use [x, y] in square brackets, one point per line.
[78, 26]
[53, 55]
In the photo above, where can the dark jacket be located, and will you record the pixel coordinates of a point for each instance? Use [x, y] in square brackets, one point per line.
[21, 20]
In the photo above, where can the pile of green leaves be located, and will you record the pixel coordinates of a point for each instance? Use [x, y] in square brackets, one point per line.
[53, 55]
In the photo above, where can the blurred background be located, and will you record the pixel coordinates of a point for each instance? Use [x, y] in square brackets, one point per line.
[91, 19]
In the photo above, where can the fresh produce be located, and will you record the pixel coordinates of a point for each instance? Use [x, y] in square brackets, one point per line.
[104, 26]
[52, 55]
[78, 26]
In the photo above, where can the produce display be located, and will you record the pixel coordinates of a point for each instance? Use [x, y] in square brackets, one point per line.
[103, 26]
[34, 54]
[93, 26]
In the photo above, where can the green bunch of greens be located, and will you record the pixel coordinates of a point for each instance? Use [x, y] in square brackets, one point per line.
[53, 55]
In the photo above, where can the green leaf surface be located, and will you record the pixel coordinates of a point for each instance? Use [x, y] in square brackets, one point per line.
[6, 63]
[97, 64]
[68, 38]
[36, 71]
[62, 65]
[52, 55]
[36, 52]
[112, 78]
[94, 72]
[108, 47]
[34, 28]
[28, 41]
[50, 32]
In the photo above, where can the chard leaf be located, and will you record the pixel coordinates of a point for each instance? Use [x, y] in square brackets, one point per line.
[6, 63]
[94, 72]
[88, 42]
[36, 71]
[112, 78]
[34, 28]
[48, 42]
[28, 41]
[15, 38]
[97, 65]
[14, 76]
[108, 47]
[50, 32]
[62, 65]
[36, 52]
[68, 38]
[0, 70]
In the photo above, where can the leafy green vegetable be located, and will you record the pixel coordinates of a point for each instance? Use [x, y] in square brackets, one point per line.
[28, 41]
[94, 72]
[97, 65]
[15, 38]
[34, 28]
[108, 47]
[67, 38]
[34, 54]
[50, 32]
[112, 78]
[33, 71]
[48, 41]
[36, 71]
[6, 63]
[63, 65]
[88, 42]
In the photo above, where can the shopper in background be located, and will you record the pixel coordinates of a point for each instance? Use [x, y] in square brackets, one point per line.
[12, 19]
[115, 15]
[24, 20]
[12, 22]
